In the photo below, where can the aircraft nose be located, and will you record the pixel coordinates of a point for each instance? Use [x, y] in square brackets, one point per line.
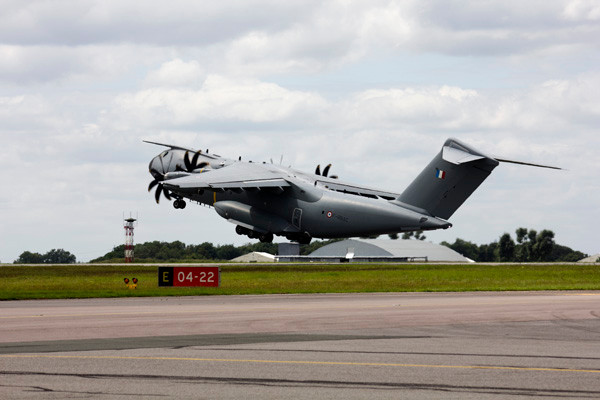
[156, 167]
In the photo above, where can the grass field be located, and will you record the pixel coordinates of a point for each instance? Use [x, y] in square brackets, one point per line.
[102, 280]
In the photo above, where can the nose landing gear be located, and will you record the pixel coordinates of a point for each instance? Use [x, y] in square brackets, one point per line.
[179, 203]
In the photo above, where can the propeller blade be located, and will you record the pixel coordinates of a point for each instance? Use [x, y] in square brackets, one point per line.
[152, 184]
[318, 170]
[195, 159]
[155, 172]
[186, 160]
[333, 176]
[179, 169]
[326, 170]
[202, 165]
[157, 193]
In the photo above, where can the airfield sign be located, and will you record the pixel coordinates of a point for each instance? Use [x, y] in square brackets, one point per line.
[189, 276]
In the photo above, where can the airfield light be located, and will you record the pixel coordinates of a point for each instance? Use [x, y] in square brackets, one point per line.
[132, 285]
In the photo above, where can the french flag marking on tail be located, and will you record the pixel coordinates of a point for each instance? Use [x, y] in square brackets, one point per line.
[440, 174]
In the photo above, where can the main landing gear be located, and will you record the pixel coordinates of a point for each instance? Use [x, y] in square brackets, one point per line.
[266, 237]
[302, 238]
[179, 203]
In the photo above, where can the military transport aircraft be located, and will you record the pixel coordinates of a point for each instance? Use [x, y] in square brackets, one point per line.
[265, 199]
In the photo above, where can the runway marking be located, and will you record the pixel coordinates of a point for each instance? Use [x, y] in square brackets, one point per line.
[300, 362]
[237, 309]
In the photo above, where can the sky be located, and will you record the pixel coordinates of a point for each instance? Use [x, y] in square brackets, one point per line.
[373, 87]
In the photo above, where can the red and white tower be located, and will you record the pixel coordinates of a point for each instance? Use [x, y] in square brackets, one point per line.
[129, 225]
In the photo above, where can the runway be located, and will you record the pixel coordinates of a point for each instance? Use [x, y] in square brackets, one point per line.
[381, 346]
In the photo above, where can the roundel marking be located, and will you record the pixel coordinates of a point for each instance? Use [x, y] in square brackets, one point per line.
[329, 214]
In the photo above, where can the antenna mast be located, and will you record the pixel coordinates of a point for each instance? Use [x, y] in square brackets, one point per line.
[129, 225]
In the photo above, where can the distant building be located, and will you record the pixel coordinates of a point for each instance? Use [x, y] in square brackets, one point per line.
[256, 256]
[386, 250]
[590, 259]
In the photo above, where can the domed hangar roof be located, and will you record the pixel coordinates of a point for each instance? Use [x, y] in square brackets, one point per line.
[389, 248]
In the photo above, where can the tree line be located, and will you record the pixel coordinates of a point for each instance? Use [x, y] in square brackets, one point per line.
[179, 251]
[530, 246]
[54, 256]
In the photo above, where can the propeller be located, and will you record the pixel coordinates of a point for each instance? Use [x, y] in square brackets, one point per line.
[325, 171]
[158, 178]
[190, 166]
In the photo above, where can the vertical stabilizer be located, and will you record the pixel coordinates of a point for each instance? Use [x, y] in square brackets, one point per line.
[449, 179]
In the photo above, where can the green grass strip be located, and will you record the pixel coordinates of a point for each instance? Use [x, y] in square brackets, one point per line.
[102, 280]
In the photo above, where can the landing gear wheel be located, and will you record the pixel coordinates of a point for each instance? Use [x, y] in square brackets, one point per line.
[266, 238]
[179, 203]
[304, 238]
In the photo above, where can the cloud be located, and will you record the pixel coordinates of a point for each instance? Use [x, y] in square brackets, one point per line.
[179, 22]
[218, 98]
[374, 88]
[42, 41]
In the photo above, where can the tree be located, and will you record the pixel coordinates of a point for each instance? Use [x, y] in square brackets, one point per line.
[54, 256]
[227, 252]
[506, 248]
[59, 256]
[488, 252]
[393, 236]
[564, 253]
[533, 246]
[28, 257]
[467, 249]
[521, 234]
[544, 243]
[414, 234]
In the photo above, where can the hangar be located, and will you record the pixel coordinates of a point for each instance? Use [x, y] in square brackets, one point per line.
[591, 259]
[255, 257]
[381, 250]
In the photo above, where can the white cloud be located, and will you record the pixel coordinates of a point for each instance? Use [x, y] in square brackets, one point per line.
[176, 73]
[218, 98]
[586, 10]
[83, 82]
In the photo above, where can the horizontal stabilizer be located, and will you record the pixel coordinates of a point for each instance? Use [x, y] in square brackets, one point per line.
[526, 163]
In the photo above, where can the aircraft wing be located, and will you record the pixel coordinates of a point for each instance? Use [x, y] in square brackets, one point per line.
[339, 186]
[238, 175]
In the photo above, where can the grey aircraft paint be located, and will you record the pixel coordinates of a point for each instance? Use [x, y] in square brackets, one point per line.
[266, 199]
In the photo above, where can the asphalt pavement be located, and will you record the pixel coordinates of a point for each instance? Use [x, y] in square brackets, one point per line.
[376, 346]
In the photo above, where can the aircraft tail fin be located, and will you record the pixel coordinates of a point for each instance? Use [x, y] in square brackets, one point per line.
[449, 179]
